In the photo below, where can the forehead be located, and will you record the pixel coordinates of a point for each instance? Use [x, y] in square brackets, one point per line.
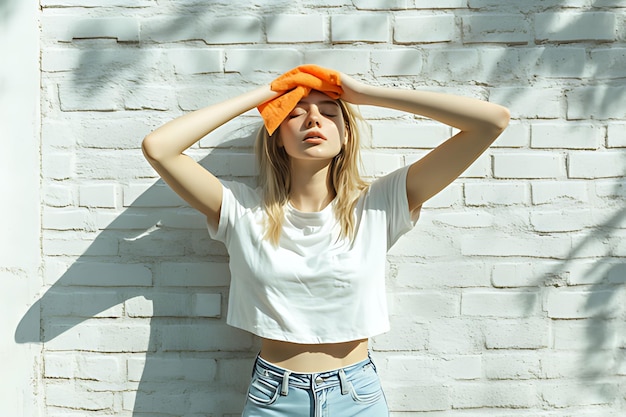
[317, 98]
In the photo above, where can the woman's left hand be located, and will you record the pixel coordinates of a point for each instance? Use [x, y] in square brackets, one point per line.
[353, 90]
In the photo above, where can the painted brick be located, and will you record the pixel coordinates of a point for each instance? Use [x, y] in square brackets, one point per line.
[556, 365]
[414, 369]
[187, 274]
[359, 28]
[162, 368]
[455, 336]
[599, 102]
[429, 398]
[66, 219]
[196, 61]
[516, 135]
[80, 303]
[522, 101]
[548, 192]
[213, 30]
[68, 394]
[561, 62]
[65, 28]
[108, 98]
[496, 28]
[452, 64]
[149, 97]
[150, 195]
[377, 5]
[585, 334]
[278, 60]
[58, 195]
[406, 334]
[207, 305]
[350, 61]
[465, 220]
[450, 196]
[98, 274]
[203, 338]
[98, 195]
[104, 246]
[86, 366]
[396, 62]
[498, 303]
[523, 274]
[503, 394]
[586, 272]
[529, 165]
[596, 164]
[561, 220]
[465, 367]
[99, 336]
[569, 394]
[404, 135]
[424, 29]
[616, 135]
[425, 305]
[530, 333]
[95, 3]
[575, 26]
[441, 274]
[58, 166]
[577, 304]
[295, 28]
[489, 194]
[159, 305]
[443, 4]
[610, 189]
[609, 63]
[566, 136]
[536, 246]
[513, 366]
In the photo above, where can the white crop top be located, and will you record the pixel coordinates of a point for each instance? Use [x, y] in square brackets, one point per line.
[312, 288]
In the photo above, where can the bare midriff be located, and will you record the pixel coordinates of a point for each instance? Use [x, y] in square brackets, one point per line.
[304, 358]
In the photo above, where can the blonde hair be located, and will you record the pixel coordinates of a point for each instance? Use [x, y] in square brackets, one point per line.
[345, 179]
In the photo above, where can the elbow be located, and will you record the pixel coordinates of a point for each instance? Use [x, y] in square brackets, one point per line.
[501, 118]
[150, 148]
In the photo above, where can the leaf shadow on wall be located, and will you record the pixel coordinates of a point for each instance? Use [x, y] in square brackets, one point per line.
[600, 319]
[150, 292]
[6, 9]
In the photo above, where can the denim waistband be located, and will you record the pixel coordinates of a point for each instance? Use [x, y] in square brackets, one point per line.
[312, 381]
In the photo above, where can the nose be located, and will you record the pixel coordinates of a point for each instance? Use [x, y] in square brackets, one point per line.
[314, 117]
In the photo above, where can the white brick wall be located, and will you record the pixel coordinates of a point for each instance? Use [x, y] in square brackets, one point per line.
[506, 300]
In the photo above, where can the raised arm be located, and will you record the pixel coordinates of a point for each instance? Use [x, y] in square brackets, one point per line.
[164, 149]
[479, 122]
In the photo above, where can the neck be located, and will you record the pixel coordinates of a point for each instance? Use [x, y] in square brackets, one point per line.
[311, 189]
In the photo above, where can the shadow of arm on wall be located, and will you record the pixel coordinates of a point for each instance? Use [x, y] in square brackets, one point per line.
[157, 250]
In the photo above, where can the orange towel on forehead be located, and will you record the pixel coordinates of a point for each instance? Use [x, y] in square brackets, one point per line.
[294, 85]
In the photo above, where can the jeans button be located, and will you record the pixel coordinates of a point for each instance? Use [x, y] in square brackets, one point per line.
[319, 380]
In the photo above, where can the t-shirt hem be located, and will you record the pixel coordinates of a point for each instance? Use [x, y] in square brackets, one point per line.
[291, 338]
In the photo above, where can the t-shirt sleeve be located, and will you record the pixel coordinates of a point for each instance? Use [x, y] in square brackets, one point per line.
[388, 193]
[237, 198]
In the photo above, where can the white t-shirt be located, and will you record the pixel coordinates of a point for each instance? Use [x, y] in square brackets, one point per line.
[313, 287]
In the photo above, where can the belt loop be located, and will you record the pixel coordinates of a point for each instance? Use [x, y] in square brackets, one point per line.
[285, 386]
[343, 382]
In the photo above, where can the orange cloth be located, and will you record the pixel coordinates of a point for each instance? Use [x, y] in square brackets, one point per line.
[294, 85]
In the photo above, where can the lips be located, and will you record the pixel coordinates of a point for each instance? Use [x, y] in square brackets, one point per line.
[314, 135]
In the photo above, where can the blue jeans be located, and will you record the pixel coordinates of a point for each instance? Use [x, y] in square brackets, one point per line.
[351, 391]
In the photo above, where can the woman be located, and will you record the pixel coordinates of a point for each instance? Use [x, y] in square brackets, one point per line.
[307, 248]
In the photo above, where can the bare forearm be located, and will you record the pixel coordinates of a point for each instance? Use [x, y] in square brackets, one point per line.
[176, 136]
[463, 113]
